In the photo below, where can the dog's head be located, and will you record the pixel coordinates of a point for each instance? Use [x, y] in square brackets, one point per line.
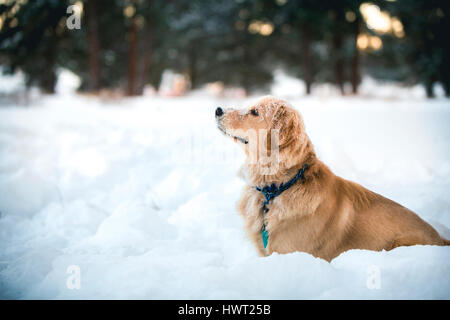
[267, 127]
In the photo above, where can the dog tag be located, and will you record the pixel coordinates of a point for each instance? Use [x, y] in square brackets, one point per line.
[265, 237]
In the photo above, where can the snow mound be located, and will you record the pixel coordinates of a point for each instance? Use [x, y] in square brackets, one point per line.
[138, 197]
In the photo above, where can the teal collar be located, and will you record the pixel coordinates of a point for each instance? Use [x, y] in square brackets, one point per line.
[273, 191]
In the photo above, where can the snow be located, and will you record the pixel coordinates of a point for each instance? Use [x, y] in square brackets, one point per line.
[11, 83]
[140, 195]
[67, 83]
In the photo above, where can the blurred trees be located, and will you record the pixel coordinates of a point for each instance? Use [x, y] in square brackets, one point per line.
[426, 44]
[30, 39]
[127, 44]
[306, 19]
[92, 8]
[214, 41]
[324, 35]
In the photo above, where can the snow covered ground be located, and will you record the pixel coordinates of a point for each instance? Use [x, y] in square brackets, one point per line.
[138, 197]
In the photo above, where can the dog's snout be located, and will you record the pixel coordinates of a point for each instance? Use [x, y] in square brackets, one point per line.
[219, 112]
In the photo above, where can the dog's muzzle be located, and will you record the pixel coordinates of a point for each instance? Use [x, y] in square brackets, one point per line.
[219, 113]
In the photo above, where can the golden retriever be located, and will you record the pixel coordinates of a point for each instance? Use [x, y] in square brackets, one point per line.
[319, 212]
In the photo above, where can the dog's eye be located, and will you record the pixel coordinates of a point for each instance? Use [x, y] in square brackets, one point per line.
[253, 112]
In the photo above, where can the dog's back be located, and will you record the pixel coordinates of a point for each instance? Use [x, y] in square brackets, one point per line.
[379, 223]
[328, 215]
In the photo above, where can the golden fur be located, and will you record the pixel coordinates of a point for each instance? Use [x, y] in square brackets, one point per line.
[323, 215]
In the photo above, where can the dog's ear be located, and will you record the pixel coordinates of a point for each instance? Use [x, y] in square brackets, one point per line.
[287, 122]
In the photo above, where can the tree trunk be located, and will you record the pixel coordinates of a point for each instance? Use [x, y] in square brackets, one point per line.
[306, 57]
[447, 89]
[338, 63]
[193, 69]
[48, 79]
[337, 52]
[132, 88]
[245, 70]
[355, 59]
[93, 44]
[146, 58]
[429, 89]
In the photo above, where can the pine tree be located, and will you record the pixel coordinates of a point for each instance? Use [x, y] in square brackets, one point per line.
[30, 39]
[425, 47]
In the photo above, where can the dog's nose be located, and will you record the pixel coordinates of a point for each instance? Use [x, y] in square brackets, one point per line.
[219, 112]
